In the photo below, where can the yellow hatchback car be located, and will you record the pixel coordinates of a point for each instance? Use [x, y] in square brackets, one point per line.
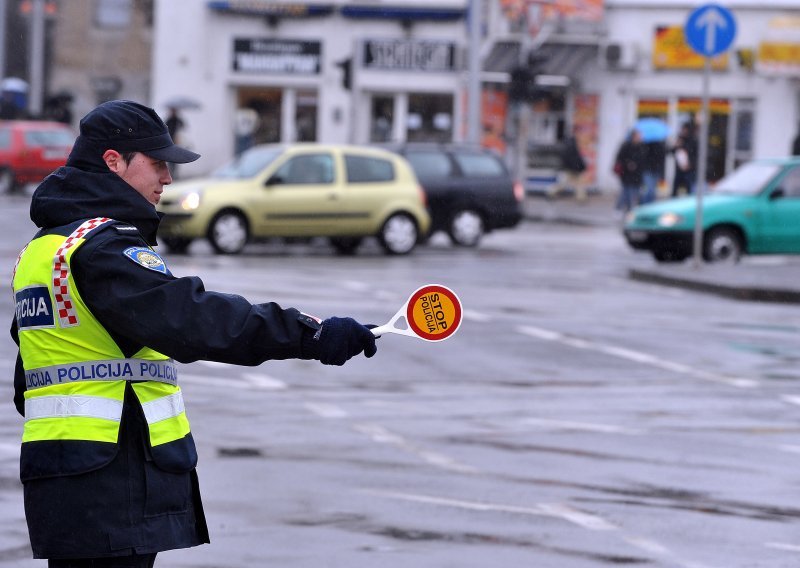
[341, 192]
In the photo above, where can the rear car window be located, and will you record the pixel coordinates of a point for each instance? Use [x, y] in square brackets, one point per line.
[363, 169]
[430, 164]
[480, 165]
[48, 138]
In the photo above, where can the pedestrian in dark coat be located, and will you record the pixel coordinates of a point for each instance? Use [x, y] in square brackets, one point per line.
[91, 503]
[629, 165]
[685, 152]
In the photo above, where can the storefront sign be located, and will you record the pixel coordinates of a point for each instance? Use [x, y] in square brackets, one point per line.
[293, 57]
[408, 55]
[779, 51]
[670, 51]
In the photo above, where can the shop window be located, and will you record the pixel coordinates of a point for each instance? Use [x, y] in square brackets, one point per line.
[363, 170]
[113, 13]
[430, 118]
[267, 105]
[381, 119]
[305, 116]
[306, 170]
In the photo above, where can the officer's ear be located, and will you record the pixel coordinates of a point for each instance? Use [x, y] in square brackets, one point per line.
[114, 161]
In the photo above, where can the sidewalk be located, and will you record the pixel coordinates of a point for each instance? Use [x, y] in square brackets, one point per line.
[754, 278]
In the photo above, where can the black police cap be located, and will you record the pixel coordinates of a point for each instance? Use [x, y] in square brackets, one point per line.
[127, 126]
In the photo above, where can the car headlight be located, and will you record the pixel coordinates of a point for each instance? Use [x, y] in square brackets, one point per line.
[669, 219]
[190, 201]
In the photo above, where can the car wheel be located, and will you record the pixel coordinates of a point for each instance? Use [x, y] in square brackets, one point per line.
[466, 228]
[669, 256]
[6, 181]
[722, 244]
[177, 245]
[345, 245]
[228, 232]
[399, 234]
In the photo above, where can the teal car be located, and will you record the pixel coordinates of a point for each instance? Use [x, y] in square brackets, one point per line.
[754, 210]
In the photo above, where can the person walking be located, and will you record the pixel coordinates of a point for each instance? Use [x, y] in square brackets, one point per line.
[573, 166]
[108, 458]
[685, 153]
[655, 154]
[175, 124]
[628, 166]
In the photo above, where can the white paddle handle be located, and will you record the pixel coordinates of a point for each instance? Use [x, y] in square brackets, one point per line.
[389, 326]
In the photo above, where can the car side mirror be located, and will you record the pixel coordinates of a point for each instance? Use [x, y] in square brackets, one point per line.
[777, 193]
[274, 180]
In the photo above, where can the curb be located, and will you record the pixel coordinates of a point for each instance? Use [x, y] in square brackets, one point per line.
[744, 293]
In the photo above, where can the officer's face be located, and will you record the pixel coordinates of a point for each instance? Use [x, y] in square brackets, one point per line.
[146, 175]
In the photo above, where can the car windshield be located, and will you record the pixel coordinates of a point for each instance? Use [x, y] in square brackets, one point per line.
[749, 179]
[37, 138]
[248, 164]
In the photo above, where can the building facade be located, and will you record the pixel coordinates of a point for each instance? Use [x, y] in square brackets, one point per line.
[373, 72]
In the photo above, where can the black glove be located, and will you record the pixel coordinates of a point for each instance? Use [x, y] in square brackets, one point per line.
[337, 340]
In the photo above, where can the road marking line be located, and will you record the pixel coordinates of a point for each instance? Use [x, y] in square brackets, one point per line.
[584, 426]
[635, 356]
[783, 546]
[555, 510]
[325, 410]
[381, 435]
[791, 398]
[472, 315]
[264, 381]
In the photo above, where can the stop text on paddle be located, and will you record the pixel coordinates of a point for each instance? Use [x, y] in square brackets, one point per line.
[432, 313]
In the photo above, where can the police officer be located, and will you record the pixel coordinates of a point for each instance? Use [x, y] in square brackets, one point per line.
[108, 460]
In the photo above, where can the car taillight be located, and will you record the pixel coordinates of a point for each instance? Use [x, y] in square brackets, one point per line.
[422, 195]
[519, 191]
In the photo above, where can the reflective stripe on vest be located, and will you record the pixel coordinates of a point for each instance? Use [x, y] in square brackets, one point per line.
[75, 373]
[67, 316]
[109, 369]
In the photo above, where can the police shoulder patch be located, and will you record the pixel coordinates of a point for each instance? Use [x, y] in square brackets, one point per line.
[146, 257]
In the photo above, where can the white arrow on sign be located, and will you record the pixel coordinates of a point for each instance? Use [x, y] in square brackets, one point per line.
[711, 20]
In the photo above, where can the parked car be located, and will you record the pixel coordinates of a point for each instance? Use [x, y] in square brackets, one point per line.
[30, 150]
[470, 191]
[341, 192]
[754, 210]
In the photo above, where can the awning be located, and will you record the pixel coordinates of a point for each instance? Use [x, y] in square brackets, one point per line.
[565, 59]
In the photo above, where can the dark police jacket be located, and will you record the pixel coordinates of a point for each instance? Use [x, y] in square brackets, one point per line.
[133, 503]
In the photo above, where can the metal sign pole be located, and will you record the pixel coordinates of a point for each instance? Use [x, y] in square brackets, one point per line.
[702, 159]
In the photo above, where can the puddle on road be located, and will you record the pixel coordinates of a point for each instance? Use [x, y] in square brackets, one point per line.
[239, 453]
[362, 525]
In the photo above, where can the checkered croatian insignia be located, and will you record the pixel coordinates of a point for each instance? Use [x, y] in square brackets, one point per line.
[67, 314]
[146, 257]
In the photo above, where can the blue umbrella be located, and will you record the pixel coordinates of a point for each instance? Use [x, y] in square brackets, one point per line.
[652, 129]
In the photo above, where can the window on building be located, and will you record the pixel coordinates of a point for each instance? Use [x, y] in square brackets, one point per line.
[113, 13]
[430, 118]
[381, 119]
[361, 169]
[305, 116]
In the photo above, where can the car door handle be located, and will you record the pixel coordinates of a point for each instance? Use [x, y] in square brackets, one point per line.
[333, 196]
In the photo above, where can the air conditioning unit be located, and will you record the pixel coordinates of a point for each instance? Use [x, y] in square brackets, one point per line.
[619, 56]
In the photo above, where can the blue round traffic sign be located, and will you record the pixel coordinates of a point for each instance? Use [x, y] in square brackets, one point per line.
[710, 29]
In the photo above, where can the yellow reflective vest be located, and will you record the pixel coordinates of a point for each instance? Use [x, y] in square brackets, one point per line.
[76, 375]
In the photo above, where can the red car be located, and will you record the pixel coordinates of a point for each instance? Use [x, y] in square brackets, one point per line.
[30, 150]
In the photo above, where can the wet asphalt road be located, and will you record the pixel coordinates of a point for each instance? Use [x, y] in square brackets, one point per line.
[577, 419]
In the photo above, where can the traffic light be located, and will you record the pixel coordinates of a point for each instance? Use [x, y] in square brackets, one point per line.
[347, 72]
[521, 87]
